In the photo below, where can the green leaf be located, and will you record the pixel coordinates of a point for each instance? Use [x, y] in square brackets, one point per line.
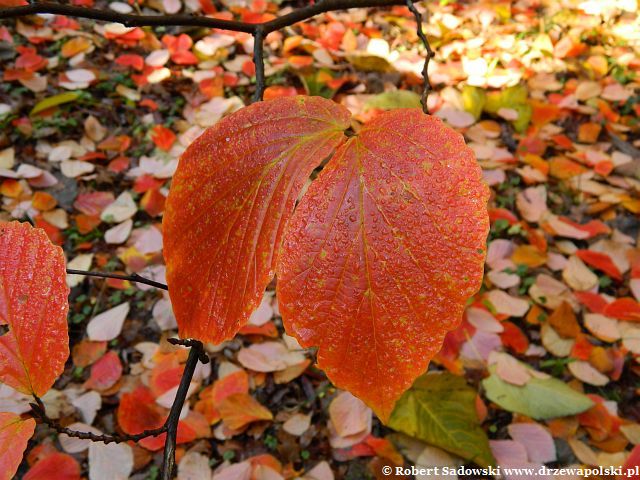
[516, 98]
[316, 87]
[440, 409]
[55, 101]
[539, 398]
[394, 99]
[524, 117]
[473, 100]
[507, 98]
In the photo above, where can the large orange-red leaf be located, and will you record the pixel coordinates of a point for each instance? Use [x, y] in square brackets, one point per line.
[14, 435]
[383, 252]
[230, 201]
[33, 304]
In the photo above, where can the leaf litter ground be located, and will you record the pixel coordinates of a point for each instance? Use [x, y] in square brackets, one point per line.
[94, 117]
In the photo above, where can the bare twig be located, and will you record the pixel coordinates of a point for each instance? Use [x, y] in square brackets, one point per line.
[430, 54]
[258, 60]
[132, 278]
[131, 20]
[39, 411]
[170, 426]
[169, 461]
[258, 30]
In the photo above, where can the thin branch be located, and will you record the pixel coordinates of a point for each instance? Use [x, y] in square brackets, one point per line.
[258, 60]
[132, 278]
[170, 426]
[39, 411]
[430, 54]
[181, 20]
[258, 30]
[169, 461]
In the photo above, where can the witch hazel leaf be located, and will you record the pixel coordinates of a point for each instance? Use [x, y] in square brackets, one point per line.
[541, 397]
[33, 305]
[14, 435]
[231, 199]
[440, 409]
[383, 252]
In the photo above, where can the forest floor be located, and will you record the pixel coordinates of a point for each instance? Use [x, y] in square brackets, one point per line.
[93, 119]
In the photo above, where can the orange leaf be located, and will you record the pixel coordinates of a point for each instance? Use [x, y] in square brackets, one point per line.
[11, 188]
[86, 352]
[163, 137]
[14, 435]
[221, 244]
[383, 252]
[623, 309]
[213, 395]
[564, 321]
[279, 91]
[43, 201]
[153, 202]
[57, 466]
[138, 411]
[589, 132]
[564, 168]
[74, 46]
[241, 409]
[33, 304]
[601, 261]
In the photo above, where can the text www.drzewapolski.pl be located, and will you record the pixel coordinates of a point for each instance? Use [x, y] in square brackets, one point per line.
[502, 471]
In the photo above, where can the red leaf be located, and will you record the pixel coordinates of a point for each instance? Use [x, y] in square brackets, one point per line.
[592, 227]
[383, 253]
[138, 411]
[514, 338]
[601, 261]
[221, 244]
[131, 60]
[105, 372]
[57, 466]
[594, 302]
[14, 435]
[33, 304]
[163, 137]
[625, 308]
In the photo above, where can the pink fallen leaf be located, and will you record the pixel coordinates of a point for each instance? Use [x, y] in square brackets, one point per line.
[536, 439]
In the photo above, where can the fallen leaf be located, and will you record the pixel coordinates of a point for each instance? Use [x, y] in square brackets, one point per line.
[240, 409]
[440, 409]
[108, 324]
